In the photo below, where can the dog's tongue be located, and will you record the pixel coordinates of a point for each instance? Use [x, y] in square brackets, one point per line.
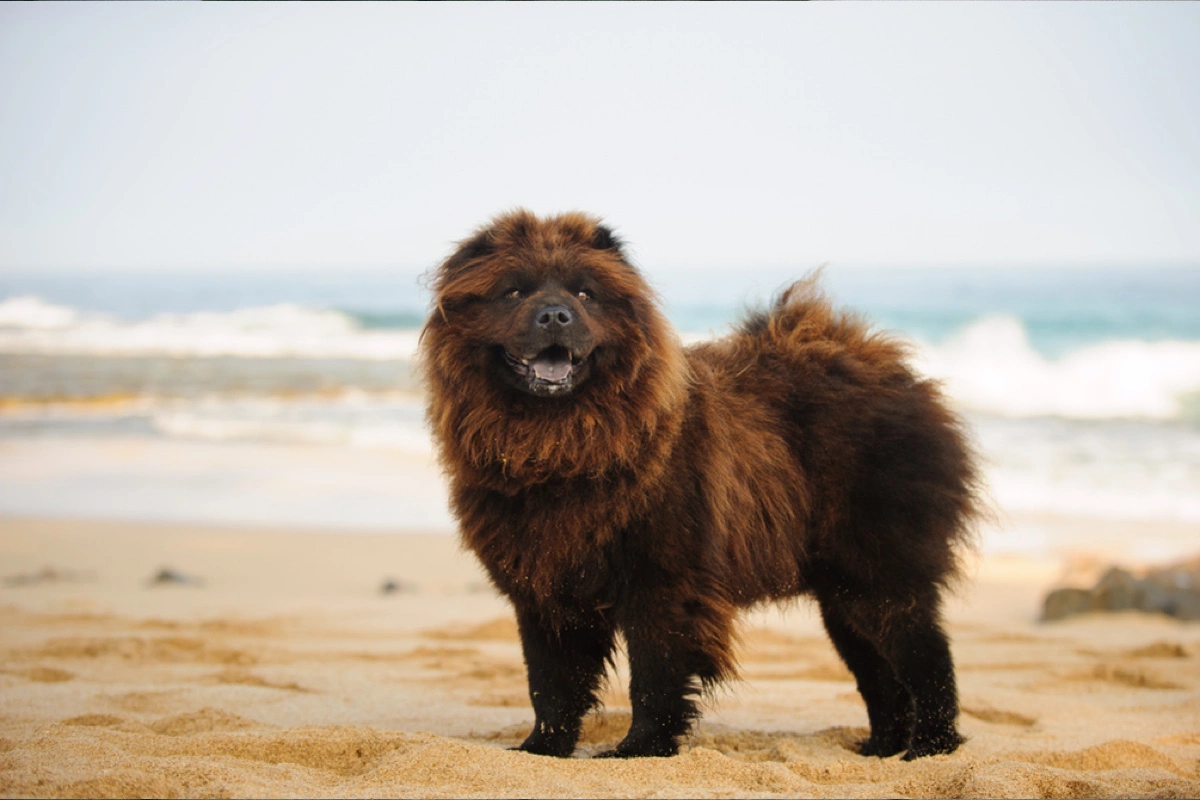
[551, 368]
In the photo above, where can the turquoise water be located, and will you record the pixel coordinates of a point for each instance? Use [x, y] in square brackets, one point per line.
[1082, 386]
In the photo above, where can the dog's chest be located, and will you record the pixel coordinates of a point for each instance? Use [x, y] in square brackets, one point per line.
[541, 547]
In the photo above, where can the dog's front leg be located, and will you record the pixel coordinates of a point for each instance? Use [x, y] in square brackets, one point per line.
[565, 665]
[675, 648]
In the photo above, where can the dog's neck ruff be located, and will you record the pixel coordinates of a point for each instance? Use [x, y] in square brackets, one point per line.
[510, 443]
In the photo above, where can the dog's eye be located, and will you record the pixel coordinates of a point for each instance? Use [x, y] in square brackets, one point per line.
[512, 294]
[585, 295]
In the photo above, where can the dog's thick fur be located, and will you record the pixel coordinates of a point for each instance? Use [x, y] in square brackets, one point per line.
[612, 481]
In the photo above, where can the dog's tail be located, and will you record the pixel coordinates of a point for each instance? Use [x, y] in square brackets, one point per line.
[921, 447]
[801, 318]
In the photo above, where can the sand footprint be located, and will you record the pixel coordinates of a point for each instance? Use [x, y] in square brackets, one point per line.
[500, 629]
[41, 674]
[244, 677]
[997, 716]
[145, 702]
[94, 721]
[139, 649]
[203, 721]
[1113, 755]
[1128, 675]
[1159, 650]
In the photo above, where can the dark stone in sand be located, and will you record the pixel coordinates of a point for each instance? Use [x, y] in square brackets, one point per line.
[1173, 590]
[1065, 602]
[167, 576]
[46, 575]
[393, 586]
[1118, 590]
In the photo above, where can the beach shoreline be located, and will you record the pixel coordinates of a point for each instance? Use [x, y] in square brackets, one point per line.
[280, 662]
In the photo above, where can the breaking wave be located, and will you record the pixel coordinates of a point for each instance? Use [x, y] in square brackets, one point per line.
[31, 325]
[990, 366]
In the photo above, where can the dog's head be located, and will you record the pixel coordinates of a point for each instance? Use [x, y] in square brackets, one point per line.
[546, 355]
[545, 307]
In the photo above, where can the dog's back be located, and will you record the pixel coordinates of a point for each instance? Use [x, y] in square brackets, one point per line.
[875, 472]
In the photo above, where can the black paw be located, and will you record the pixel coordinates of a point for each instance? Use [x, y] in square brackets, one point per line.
[541, 746]
[933, 745]
[882, 746]
[642, 748]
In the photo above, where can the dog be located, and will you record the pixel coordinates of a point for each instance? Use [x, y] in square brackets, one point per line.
[613, 482]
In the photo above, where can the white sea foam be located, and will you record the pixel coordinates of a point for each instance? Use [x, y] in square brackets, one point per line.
[30, 313]
[1132, 469]
[392, 422]
[30, 325]
[991, 366]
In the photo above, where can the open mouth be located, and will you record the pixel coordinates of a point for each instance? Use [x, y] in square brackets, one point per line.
[550, 372]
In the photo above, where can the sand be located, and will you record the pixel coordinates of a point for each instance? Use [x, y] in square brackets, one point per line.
[277, 668]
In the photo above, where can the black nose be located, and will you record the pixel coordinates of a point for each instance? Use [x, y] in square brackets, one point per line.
[554, 317]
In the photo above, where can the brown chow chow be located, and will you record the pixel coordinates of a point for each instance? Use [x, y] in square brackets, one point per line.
[612, 481]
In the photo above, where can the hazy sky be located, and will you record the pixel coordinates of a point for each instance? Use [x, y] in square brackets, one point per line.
[710, 135]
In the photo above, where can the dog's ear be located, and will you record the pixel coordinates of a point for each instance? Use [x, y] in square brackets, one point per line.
[604, 239]
[454, 268]
[483, 243]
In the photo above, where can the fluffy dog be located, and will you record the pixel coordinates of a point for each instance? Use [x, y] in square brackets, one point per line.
[612, 481]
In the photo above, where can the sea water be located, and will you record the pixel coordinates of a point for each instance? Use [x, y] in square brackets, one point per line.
[1081, 385]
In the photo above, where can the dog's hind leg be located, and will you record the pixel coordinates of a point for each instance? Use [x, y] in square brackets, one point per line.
[920, 653]
[889, 704]
[908, 633]
[565, 667]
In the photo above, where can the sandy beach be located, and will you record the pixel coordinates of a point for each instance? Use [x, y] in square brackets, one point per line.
[276, 666]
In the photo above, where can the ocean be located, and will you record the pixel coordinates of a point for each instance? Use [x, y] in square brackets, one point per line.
[1081, 386]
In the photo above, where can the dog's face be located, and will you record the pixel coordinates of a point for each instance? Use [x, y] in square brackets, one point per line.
[543, 307]
[547, 333]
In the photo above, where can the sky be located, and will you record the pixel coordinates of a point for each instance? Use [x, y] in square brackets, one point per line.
[173, 136]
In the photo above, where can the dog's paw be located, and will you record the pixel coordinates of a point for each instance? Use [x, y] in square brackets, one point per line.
[933, 745]
[545, 747]
[641, 748]
[882, 747]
